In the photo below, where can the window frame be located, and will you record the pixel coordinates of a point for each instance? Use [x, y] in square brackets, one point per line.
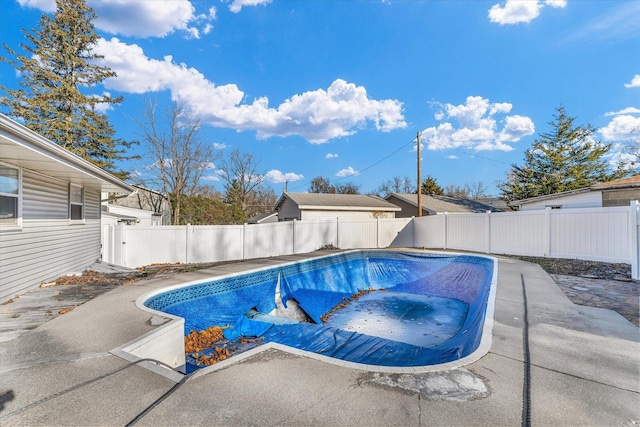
[81, 204]
[17, 225]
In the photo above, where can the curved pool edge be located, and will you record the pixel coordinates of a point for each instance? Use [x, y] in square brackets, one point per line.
[166, 342]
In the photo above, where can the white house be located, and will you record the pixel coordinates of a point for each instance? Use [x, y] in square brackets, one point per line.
[301, 206]
[49, 209]
[613, 193]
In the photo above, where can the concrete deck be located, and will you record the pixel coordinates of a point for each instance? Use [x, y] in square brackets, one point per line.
[582, 367]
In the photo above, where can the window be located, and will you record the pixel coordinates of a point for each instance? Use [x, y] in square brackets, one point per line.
[9, 195]
[76, 202]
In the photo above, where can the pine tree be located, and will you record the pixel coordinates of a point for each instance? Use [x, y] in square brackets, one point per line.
[58, 70]
[566, 158]
[430, 187]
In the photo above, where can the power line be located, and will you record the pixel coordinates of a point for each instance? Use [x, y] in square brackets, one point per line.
[362, 170]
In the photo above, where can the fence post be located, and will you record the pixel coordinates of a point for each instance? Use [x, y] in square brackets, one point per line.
[446, 231]
[488, 216]
[377, 232]
[547, 232]
[244, 241]
[293, 236]
[338, 232]
[634, 211]
[187, 240]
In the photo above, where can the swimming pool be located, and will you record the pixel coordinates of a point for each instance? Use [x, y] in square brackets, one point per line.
[414, 308]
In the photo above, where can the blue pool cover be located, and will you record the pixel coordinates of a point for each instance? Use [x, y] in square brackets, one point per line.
[424, 309]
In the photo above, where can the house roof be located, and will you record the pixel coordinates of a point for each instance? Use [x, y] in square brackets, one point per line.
[323, 201]
[440, 204]
[260, 218]
[20, 146]
[631, 182]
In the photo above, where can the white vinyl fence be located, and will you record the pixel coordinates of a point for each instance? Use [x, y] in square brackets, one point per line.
[134, 246]
[597, 234]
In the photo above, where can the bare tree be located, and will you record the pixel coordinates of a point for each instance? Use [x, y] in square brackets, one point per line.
[396, 184]
[347, 188]
[242, 177]
[320, 184]
[475, 190]
[179, 156]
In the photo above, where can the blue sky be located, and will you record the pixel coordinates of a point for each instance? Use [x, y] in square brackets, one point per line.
[339, 89]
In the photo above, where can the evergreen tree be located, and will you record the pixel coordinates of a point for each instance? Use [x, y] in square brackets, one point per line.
[430, 187]
[59, 67]
[566, 158]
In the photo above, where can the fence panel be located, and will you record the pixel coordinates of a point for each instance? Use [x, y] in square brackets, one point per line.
[597, 234]
[215, 243]
[389, 230]
[357, 233]
[519, 233]
[144, 245]
[313, 234]
[430, 232]
[467, 232]
[271, 239]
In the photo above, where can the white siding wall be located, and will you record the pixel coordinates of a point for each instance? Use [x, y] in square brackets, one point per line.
[143, 215]
[47, 246]
[589, 199]
[322, 214]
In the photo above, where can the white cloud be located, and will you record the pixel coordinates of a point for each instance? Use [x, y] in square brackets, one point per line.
[219, 146]
[635, 82]
[622, 128]
[330, 156]
[141, 18]
[628, 110]
[212, 177]
[347, 172]
[276, 177]
[520, 11]
[618, 23]
[317, 116]
[237, 5]
[515, 128]
[476, 127]
[43, 5]
[451, 156]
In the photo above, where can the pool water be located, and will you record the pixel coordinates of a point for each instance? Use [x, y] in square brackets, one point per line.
[420, 309]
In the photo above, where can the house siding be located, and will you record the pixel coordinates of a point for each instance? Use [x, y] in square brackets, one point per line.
[47, 245]
[288, 211]
[620, 197]
[408, 210]
[590, 199]
[322, 214]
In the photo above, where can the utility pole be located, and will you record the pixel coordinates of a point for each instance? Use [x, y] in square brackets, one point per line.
[419, 179]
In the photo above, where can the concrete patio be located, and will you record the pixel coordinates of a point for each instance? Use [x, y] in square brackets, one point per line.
[551, 363]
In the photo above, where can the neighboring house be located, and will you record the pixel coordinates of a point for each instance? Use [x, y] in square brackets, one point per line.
[433, 205]
[613, 193]
[114, 215]
[152, 207]
[263, 218]
[301, 206]
[49, 209]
